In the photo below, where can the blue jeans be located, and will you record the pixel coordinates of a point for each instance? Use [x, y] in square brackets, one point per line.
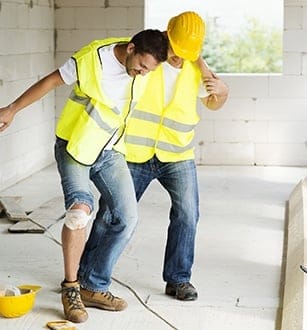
[111, 230]
[180, 181]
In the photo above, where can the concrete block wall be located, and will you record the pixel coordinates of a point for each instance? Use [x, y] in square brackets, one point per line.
[26, 54]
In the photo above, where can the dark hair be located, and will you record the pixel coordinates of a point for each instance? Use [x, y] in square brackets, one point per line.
[152, 42]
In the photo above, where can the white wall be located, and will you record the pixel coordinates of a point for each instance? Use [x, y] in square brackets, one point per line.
[26, 54]
[264, 121]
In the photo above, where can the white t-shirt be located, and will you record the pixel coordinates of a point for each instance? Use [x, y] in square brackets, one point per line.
[170, 76]
[115, 79]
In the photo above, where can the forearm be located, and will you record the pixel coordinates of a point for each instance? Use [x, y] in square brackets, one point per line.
[218, 92]
[217, 89]
[204, 68]
[32, 94]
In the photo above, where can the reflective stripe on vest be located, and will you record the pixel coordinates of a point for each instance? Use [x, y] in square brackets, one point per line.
[165, 121]
[160, 145]
[166, 131]
[92, 111]
[85, 100]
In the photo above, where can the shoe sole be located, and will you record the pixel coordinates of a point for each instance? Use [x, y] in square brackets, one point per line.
[173, 293]
[186, 298]
[100, 306]
[76, 320]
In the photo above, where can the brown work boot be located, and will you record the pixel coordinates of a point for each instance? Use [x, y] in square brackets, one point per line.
[182, 291]
[102, 300]
[74, 309]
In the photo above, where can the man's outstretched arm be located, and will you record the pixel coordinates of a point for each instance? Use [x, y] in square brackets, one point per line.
[32, 94]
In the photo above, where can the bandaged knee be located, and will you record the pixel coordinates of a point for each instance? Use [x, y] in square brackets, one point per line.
[76, 219]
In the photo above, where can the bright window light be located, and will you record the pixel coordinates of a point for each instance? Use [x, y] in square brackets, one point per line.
[242, 36]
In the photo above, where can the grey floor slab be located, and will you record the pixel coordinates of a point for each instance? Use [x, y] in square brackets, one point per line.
[238, 260]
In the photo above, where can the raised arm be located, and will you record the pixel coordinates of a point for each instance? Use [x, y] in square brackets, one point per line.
[217, 88]
[32, 94]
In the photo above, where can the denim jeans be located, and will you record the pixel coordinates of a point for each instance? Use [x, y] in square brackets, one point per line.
[180, 181]
[111, 230]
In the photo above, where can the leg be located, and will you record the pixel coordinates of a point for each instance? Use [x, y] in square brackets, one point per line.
[180, 180]
[73, 242]
[79, 204]
[113, 229]
[108, 228]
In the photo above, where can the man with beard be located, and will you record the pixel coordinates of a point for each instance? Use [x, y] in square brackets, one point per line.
[88, 148]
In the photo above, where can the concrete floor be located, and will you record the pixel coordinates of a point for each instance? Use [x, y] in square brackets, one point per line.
[238, 262]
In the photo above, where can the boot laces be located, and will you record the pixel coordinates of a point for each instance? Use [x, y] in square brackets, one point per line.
[73, 297]
[108, 295]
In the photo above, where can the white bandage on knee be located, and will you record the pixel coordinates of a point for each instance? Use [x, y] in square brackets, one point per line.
[76, 219]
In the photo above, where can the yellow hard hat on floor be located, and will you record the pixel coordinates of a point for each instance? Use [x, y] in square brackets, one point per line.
[15, 306]
[186, 34]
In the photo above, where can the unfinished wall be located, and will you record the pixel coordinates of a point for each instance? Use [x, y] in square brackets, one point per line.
[26, 54]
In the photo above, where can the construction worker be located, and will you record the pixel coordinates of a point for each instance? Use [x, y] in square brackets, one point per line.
[159, 142]
[89, 147]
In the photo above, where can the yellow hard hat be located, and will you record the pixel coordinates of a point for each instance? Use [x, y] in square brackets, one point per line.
[186, 34]
[15, 306]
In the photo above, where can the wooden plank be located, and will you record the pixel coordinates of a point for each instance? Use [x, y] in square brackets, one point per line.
[41, 218]
[26, 227]
[12, 209]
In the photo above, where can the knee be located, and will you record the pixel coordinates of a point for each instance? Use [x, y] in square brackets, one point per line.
[124, 224]
[76, 219]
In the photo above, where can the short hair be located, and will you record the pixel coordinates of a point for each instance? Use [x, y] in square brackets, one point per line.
[153, 42]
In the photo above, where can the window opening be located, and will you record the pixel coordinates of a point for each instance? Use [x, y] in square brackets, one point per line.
[242, 37]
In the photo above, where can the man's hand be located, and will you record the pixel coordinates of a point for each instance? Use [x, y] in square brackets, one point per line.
[215, 85]
[32, 94]
[6, 117]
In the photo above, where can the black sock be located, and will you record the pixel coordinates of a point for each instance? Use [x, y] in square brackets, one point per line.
[65, 281]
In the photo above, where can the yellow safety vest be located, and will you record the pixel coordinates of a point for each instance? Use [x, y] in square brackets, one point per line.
[166, 131]
[89, 119]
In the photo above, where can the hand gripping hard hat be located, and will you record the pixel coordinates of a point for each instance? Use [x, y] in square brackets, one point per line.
[186, 34]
